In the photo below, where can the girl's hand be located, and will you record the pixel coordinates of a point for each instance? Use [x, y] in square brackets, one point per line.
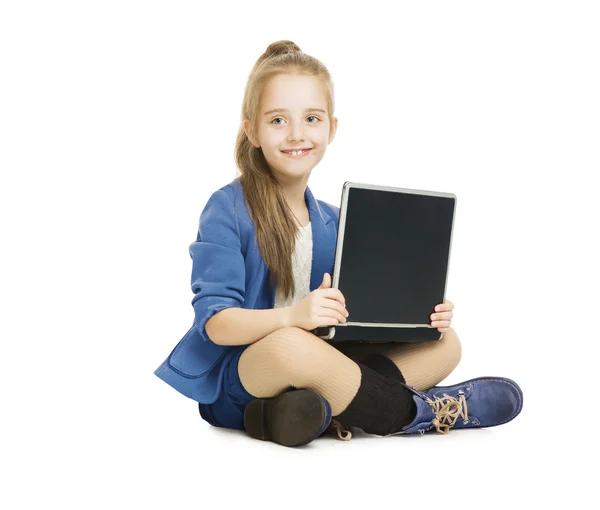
[322, 307]
[441, 319]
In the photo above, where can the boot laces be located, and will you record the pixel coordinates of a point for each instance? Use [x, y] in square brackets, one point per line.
[344, 432]
[447, 409]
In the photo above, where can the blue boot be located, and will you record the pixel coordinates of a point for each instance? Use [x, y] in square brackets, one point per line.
[293, 418]
[480, 402]
[476, 403]
[380, 406]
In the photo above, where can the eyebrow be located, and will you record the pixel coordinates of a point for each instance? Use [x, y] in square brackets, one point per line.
[286, 110]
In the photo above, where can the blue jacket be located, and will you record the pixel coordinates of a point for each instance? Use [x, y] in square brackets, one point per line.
[229, 271]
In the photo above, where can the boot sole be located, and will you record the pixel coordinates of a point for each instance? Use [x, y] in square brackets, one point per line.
[293, 418]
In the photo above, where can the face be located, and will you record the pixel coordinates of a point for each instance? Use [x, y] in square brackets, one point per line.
[303, 124]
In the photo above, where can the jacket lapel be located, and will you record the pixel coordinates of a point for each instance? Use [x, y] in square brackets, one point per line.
[324, 228]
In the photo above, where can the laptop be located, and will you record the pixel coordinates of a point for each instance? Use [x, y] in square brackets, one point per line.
[391, 262]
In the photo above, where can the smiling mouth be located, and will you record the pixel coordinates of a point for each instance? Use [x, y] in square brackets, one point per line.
[298, 154]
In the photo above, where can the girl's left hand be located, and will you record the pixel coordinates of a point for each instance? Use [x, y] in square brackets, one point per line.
[441, 319]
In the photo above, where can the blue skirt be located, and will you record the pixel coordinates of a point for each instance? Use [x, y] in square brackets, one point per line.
[228, 410]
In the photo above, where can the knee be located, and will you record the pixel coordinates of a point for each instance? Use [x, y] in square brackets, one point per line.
[451, 345]
[288, 347]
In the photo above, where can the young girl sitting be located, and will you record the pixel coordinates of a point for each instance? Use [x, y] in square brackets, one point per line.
[261, 280]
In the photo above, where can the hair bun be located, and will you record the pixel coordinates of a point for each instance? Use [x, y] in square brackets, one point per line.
[281, 48]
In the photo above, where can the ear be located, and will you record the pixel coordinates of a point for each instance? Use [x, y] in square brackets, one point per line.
[333, 129]
[248, 131]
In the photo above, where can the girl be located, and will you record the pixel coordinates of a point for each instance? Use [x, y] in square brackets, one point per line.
[261, 282]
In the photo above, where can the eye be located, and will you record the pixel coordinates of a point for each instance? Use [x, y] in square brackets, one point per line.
[310, 116]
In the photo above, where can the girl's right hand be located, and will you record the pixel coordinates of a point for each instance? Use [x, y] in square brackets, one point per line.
[322, 307]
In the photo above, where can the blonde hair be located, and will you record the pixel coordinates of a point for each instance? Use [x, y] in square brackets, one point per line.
[275, 226]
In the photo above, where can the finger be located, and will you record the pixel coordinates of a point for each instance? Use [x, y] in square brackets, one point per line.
[329, 321]
[441, 324]
[445, 306]
[331, 312]
[336, 308]
[334, 305]
[336, 294]
[441, 316]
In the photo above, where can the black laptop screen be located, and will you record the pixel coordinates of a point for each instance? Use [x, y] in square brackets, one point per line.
[394, 262]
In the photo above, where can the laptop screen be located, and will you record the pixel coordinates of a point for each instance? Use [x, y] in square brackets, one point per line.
[395, 253]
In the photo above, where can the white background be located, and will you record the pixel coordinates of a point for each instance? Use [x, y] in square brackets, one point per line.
[118, 121]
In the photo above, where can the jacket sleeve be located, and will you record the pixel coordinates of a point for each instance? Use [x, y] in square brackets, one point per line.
[218, 269]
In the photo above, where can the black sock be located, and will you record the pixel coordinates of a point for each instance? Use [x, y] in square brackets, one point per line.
[381, 406]
[385, 366]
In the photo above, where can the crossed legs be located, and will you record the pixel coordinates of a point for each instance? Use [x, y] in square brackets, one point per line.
[295, 358]
[423, 364]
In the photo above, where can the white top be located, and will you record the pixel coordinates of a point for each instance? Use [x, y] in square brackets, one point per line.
[301, 266]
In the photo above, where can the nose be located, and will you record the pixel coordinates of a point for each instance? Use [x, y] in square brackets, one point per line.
[296, 131]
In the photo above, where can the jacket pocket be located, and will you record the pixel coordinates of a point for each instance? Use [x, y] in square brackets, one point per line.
[194, 357]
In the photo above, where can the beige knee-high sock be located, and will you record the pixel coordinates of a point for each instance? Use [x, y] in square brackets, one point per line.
[425, 364]
[295, 357]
